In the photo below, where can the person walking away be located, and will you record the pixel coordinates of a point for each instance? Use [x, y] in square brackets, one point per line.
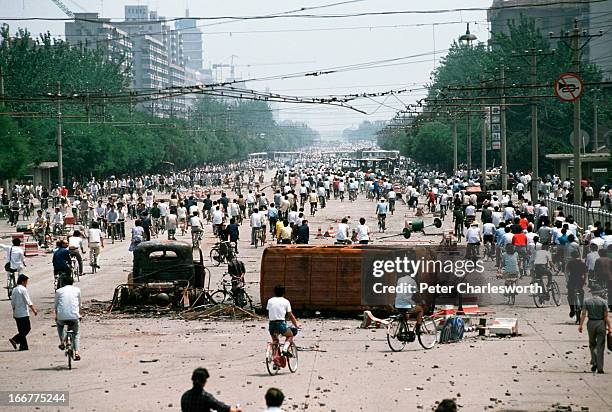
[22, 304]
[67, 313]
[137, 235]
[458, 218]
[577, 271]
[603, 271]
[15, 258]
[286, 233]
[274, 400]
[171, 224]
[596, 310]
[197, 399]
[95, 240]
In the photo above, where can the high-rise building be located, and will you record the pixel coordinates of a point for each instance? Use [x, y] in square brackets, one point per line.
[558, 16]
[192, 42]
[92, 32]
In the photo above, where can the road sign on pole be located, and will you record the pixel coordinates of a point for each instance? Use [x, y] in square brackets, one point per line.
[568, 87]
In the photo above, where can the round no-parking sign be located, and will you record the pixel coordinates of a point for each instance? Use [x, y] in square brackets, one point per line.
[569, 87]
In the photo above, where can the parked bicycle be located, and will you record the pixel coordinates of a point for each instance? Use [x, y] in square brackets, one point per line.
[223, 252]
[232, 289]
[400, 332]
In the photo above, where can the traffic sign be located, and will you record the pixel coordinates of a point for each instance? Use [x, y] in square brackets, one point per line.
[584, 139]
[568, 87]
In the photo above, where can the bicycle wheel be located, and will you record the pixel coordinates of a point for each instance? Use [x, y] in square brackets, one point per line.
[292, 358]
[429, 334]
[270, 366]
[69, 353]
[537, 297]
[9, 285]
[218, 296]
[215, 256]
[395, 328]
[553, 287]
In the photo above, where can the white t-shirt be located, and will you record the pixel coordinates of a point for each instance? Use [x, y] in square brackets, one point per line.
[217, 217]
[488, 229]
[363, 232]
[472, 235]
[68, 303]
[75, 242]
[342, 231]
[195, 222]
[94, 236]
[20, 301]
[278, 308]
[16, 256]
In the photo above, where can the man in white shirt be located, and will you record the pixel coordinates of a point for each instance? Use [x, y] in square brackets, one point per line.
[95, 241]
[363, 232]
[278, 308]
[342, 236]
[21, 303]
[217, 220]
[67, 313]
[15, 256]
[255, 225]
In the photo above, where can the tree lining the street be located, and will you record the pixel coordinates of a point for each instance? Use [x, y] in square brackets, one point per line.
[101, 140]
[466, 68]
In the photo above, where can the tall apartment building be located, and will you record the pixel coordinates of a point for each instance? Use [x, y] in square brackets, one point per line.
[192, 40]
[90, 31]
[558, 16]
[158, 54]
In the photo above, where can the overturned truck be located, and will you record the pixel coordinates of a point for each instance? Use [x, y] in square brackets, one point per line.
[164, 273]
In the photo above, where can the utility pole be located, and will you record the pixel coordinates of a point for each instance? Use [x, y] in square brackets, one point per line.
[533, 53]
[60, 160]
[575, 37]
[469, 145]
[483, 143]
[502, 124]
[1, 88]
[455, 165]
[595, 125]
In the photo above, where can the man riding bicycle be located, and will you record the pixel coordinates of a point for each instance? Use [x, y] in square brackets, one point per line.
[278, 308]
[40, 228]
[381, 211]
[405, 303]
[197, 227]
[67, 313]
[62, 264]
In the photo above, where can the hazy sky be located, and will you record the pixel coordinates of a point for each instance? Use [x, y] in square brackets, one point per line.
[282, 46]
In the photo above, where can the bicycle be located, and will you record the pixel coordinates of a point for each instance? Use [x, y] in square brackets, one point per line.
[276, 359]
[551, 289]
[93, 260]
[196, 238]
[10, 283]
[381, 223]
[400, 332]
[233, 290]
[58, 279]
[76, 271]
[68, 343]
[223, 252]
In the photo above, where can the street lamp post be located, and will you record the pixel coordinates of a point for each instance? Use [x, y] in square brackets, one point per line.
[467, 39]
